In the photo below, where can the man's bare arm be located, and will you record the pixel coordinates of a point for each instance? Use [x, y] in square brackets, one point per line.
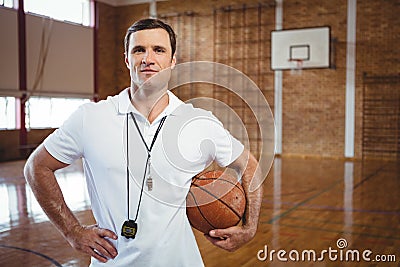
[234, 237]
[39, 172]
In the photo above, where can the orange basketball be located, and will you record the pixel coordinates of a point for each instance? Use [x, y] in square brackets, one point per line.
[216, 200]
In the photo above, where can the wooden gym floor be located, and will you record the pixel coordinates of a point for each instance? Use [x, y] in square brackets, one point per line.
[344, 208]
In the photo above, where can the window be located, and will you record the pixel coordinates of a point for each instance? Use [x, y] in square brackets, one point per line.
[47, 112]
[7, 113]
[77, 11]
[7, 3]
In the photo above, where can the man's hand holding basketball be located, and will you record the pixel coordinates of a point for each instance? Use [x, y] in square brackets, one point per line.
[231, 238]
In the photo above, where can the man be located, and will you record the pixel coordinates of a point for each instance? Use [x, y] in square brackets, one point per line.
[138, 171]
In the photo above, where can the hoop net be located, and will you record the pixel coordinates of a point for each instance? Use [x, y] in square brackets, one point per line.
[297, 66]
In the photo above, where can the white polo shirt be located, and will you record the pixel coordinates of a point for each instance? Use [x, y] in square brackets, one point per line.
[188, 142]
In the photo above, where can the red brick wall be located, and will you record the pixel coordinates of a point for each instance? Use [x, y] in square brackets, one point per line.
[107, 51]
[314, 102]
[378, 54]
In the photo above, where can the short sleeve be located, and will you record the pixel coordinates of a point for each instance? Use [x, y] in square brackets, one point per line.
[193, 138]
[228, 148]
[65, 144]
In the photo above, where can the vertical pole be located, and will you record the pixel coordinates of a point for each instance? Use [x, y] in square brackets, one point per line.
[278, 85]
[350, 78]
[22, 71]
[153, 9]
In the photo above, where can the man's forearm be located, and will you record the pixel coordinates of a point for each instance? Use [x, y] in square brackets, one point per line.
[39, 172]
[48, 194]
[251, 177]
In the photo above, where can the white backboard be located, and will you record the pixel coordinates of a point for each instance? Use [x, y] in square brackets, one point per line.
[310, 45]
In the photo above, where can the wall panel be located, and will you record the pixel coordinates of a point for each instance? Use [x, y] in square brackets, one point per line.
[9, 78]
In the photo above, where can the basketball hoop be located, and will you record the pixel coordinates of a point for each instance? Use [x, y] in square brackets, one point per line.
[297, 66]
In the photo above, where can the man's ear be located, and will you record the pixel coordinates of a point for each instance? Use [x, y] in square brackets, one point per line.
[173, 62]
[126, 61]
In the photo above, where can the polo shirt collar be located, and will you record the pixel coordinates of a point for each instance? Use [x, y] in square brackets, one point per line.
[125, 106]
[124, 103]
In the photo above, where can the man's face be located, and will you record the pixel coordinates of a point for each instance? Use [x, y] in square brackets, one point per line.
[149, 52]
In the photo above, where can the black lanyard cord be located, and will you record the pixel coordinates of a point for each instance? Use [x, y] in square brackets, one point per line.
[147, 160]
[127, 162]
[141, 189]
[155, 135]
